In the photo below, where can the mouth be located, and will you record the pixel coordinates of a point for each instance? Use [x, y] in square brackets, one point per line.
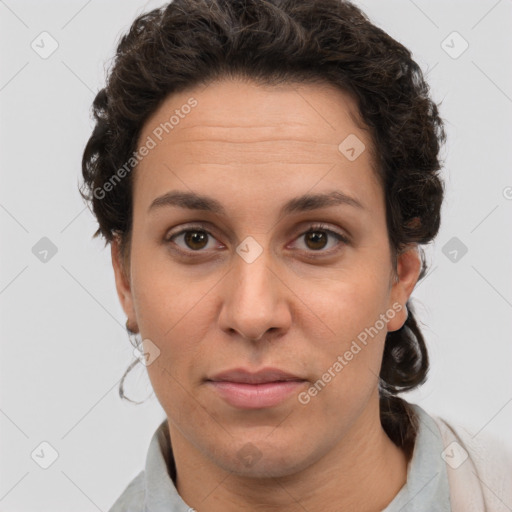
[265, 388]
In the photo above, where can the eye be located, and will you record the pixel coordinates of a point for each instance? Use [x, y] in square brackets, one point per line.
[195, 239]
[318, 236]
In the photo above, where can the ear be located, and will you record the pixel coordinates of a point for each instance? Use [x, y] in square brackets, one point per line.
[123, 285]
[408, 271]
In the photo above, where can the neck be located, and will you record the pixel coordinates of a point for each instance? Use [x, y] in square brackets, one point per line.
[364, 472]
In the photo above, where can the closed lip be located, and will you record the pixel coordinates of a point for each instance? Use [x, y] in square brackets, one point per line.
[261, 376]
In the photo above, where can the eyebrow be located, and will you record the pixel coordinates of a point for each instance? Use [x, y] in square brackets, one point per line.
[306, 202]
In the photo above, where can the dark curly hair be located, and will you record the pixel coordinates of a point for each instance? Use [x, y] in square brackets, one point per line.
[194, 42]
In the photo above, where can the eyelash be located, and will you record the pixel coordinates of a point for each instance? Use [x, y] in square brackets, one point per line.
[312, 228]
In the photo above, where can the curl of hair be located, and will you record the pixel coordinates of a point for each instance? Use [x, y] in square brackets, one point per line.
[192, 42]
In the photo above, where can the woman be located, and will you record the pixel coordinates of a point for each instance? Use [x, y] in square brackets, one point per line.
[266, 173]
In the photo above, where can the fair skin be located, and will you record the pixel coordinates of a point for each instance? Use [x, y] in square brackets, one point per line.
[254, 148]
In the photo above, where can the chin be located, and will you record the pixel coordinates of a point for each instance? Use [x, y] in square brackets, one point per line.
[262, 459]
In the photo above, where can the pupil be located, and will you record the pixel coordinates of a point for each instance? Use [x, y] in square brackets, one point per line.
[315, 237]
[193, 237]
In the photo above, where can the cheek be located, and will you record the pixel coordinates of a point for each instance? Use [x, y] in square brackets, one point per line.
[349, 359]
[165, 295]
[171, 313]
[350, 301]
[347, 378]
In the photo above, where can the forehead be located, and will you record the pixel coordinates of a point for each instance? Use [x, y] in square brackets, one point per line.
[318, 113]
[248, 136]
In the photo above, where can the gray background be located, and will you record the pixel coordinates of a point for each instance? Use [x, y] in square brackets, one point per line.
[63, 343]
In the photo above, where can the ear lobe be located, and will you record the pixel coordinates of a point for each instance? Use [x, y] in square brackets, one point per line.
[408, 271]
[122, 280]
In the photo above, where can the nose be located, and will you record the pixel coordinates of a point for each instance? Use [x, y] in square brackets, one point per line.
[255, 300]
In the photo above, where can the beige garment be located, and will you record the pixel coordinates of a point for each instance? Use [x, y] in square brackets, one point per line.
[483, 481]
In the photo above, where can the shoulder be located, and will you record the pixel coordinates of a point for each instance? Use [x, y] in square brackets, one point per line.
[485, 450]
[132, 498]
[479, 467]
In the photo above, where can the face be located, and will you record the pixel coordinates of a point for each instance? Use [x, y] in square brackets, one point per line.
[254, 277]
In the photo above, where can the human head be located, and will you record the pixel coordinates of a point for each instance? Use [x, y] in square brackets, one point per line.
[191, 43]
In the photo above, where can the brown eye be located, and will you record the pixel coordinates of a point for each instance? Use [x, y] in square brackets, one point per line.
[316, 239]
[191, 239]
[320, 239]
[196, 239]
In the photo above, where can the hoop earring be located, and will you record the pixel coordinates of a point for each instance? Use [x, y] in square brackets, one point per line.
[136, 342]
[121, 383]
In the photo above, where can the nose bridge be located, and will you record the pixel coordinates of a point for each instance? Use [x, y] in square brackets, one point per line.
[253, 303]
[253, 277]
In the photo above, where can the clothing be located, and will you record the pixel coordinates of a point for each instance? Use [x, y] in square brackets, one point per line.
[427, 487]
[482, 482]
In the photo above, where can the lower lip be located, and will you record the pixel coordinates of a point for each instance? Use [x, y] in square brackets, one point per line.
[255, 396]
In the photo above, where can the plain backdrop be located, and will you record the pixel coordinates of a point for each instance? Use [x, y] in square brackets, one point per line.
[63, 343]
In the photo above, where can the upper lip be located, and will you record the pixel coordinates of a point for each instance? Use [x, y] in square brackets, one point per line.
[257, 377]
